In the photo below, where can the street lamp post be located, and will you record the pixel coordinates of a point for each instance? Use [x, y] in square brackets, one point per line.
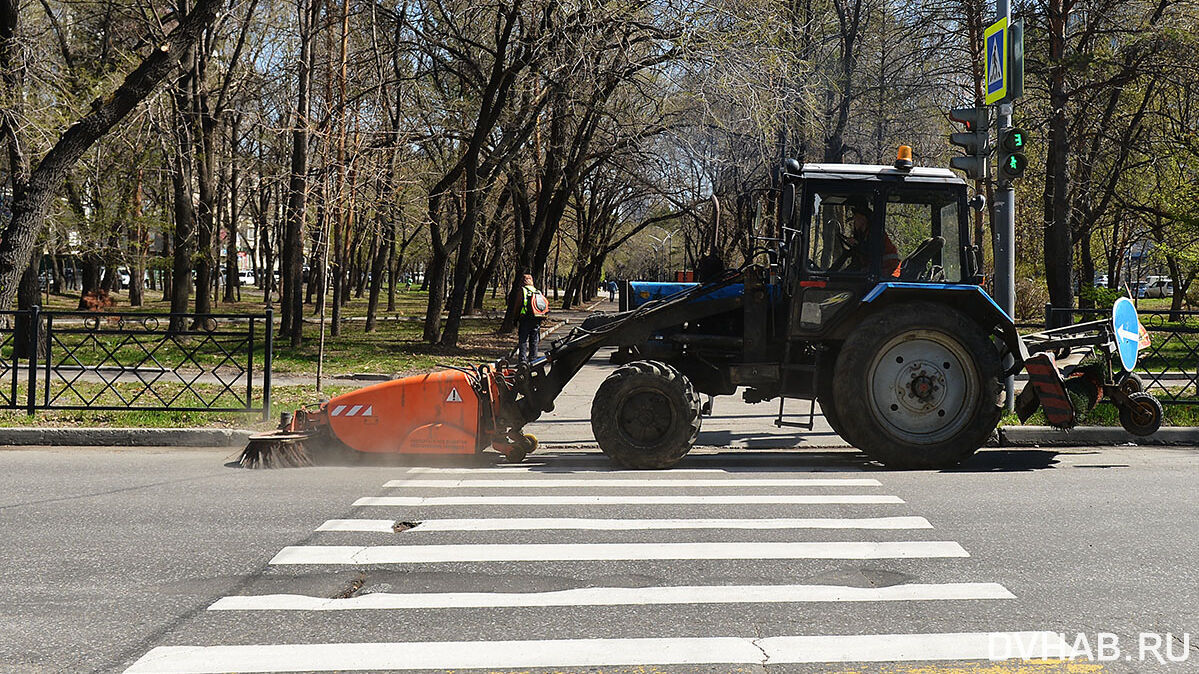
[668, 241]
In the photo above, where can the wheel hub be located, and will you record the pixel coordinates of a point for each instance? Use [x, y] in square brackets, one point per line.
[920, 386]
[645, 416]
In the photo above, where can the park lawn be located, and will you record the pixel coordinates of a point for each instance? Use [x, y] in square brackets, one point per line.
[283, 399]
[408, 303]
[395, 347]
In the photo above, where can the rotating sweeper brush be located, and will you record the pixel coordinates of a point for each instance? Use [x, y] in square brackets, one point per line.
[455, 411]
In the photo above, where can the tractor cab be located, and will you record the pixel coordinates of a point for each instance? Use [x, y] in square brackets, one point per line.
[850, 228]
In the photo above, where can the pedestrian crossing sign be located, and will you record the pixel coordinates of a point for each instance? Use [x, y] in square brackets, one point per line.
[996, 39]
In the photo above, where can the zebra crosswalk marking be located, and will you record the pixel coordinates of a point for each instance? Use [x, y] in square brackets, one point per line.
[561, 552]
[747, 499]
[597, 524]
[712, 650]
[593, 652]
[655, 483]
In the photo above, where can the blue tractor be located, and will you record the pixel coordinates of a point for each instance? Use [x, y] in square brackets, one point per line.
[868, 301]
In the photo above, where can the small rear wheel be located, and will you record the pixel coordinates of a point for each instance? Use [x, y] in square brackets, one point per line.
[1132, 383]
[646, 415]
[1143, 415]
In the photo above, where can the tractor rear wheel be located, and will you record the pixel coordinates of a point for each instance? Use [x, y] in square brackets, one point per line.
[919, 385]
[824, 396]
[646, 415]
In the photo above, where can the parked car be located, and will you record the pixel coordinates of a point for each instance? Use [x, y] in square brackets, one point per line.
[1159, 288]
[1101, 281]
[246, 278]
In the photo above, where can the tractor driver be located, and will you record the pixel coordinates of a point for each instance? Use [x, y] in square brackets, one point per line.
[859, 243]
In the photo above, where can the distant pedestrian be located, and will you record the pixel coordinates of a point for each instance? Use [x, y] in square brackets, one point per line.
[612, 291]
[533, 308]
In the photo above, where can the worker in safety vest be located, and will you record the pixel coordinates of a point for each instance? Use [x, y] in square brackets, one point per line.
[533, 307]
[861, 242]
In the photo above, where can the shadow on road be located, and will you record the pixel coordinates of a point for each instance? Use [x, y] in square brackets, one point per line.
[1007, 461]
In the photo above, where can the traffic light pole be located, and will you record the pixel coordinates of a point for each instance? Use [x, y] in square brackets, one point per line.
[1004, 224]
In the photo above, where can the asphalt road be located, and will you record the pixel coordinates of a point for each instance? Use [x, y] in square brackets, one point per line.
[116, 559]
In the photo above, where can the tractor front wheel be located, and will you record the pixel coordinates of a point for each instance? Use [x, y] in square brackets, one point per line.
[919, 385]
[646, 415]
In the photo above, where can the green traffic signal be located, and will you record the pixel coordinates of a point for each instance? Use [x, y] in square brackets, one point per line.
[1012, 161]
[1013, 165]
[1012, 139]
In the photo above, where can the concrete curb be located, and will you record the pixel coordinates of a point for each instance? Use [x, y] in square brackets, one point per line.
[1086, 436]
[124, 437]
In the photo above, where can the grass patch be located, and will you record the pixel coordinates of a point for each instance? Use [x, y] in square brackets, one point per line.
[283, 399]
[395, 347]
[1106, 414]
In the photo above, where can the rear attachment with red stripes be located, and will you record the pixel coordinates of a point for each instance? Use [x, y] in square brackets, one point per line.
[1046, 381]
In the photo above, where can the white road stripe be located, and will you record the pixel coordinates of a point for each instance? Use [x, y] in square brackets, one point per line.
[618, 596]
[550, 483]
[808, 499]
[559, 552]
[602, 466]
[597, 652]
[540, 523]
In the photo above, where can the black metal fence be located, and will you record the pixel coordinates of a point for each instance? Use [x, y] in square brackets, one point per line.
[1169, 366]
[85, 360]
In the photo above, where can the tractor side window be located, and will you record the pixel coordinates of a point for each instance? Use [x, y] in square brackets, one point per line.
[951, 253]
[922, 236]
[829, 234]
[908, 226]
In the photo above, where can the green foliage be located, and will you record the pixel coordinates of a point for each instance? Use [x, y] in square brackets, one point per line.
[1101, 297]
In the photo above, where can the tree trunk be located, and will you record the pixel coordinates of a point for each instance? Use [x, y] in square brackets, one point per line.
[232, 280]
[435, 276]
[138, 243]
[1058, 252]
[292, 298]
[393, 273]
[206, 212]
[378, 264]
[25, 333]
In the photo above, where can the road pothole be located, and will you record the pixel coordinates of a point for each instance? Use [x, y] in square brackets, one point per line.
[400, 526]
[352, 587]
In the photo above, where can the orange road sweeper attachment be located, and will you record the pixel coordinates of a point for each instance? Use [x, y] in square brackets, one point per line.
[453, 411]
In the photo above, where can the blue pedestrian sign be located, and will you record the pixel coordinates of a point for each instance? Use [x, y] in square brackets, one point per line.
[1128, 331]
[996, 38]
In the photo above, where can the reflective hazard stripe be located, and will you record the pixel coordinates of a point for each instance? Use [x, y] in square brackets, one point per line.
[353, 411]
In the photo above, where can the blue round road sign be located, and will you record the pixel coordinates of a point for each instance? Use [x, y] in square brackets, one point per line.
[1128, 331]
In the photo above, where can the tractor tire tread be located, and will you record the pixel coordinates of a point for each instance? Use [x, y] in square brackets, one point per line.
[679, 439]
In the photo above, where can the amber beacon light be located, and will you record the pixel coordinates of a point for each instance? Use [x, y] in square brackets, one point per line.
[903, 158]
